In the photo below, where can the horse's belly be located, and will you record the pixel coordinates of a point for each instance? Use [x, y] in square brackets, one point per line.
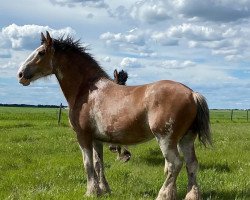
[122, 124]
[125, 135]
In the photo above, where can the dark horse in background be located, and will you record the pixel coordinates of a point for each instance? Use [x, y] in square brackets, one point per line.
[103, 111]
[124, 154]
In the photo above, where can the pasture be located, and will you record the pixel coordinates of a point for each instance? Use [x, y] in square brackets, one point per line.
[40, 159]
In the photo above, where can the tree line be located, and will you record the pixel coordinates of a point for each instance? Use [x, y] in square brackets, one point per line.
[28, 105]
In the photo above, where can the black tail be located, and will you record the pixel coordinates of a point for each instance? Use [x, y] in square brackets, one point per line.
[201, 124]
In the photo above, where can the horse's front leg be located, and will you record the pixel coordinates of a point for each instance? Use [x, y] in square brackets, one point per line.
[99, 167]
[86, 144]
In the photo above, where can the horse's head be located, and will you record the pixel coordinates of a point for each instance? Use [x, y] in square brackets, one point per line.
[120, 77]
[39, 63]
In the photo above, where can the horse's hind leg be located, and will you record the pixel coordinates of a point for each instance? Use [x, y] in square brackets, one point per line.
[186, 146]
[113, 148]
[173, 166]
[99, 167]
[124, 154]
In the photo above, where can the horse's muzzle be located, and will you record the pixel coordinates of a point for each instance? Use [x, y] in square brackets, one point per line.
[23, 80]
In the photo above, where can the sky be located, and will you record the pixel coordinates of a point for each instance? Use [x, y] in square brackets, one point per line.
[202, 44]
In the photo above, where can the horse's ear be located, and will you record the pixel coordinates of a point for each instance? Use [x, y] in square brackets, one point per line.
[43, 39]
[115, 74]
[48, 39]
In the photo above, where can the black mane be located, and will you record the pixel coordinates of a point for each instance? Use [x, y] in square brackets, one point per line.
[68, 44]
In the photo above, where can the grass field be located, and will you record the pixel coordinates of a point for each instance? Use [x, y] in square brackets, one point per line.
[41, 160]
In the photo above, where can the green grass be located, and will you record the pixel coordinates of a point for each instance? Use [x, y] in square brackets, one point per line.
[40, 159]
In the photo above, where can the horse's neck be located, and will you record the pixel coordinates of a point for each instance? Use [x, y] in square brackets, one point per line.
[75, 79]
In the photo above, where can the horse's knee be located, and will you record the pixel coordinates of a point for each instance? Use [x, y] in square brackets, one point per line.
[173, 164]
[192, 166]
[177, 164]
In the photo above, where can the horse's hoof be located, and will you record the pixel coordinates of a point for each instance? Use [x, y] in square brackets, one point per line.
[125, 158]
[104, 187]
[93, 192]
[113, 149]
[193, 194]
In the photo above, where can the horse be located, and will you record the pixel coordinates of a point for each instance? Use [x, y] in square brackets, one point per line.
[123, 152]
[120, 77]
[103, 111]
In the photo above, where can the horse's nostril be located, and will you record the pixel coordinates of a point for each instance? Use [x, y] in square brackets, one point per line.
[20, 75]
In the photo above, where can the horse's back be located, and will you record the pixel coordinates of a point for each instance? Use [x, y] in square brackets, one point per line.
[172, 93]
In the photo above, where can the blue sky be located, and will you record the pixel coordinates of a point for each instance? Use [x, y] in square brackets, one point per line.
[203, 44]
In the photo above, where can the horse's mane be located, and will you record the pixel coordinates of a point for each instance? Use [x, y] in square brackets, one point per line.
[68, 44]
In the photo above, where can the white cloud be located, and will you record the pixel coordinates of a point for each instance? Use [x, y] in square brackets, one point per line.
[149, 11]
[121, 12]
[224, 40]
[175, 64]
[225, 52]
[27, 36]
[164, 39]
[195, 32]
[132, 37]
[210, 44]
[222, 10]
[132, 42]
[8, 68]
[73, 3]
[234, 57]
[130, 63]
[107, 59]
[143, 11]
[153, 12]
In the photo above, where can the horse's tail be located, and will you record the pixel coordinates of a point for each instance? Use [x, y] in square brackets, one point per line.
[201, 124]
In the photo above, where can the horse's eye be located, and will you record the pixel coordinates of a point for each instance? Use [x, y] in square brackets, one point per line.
[41, 53]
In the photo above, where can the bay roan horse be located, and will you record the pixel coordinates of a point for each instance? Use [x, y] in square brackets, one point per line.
[103, 111]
